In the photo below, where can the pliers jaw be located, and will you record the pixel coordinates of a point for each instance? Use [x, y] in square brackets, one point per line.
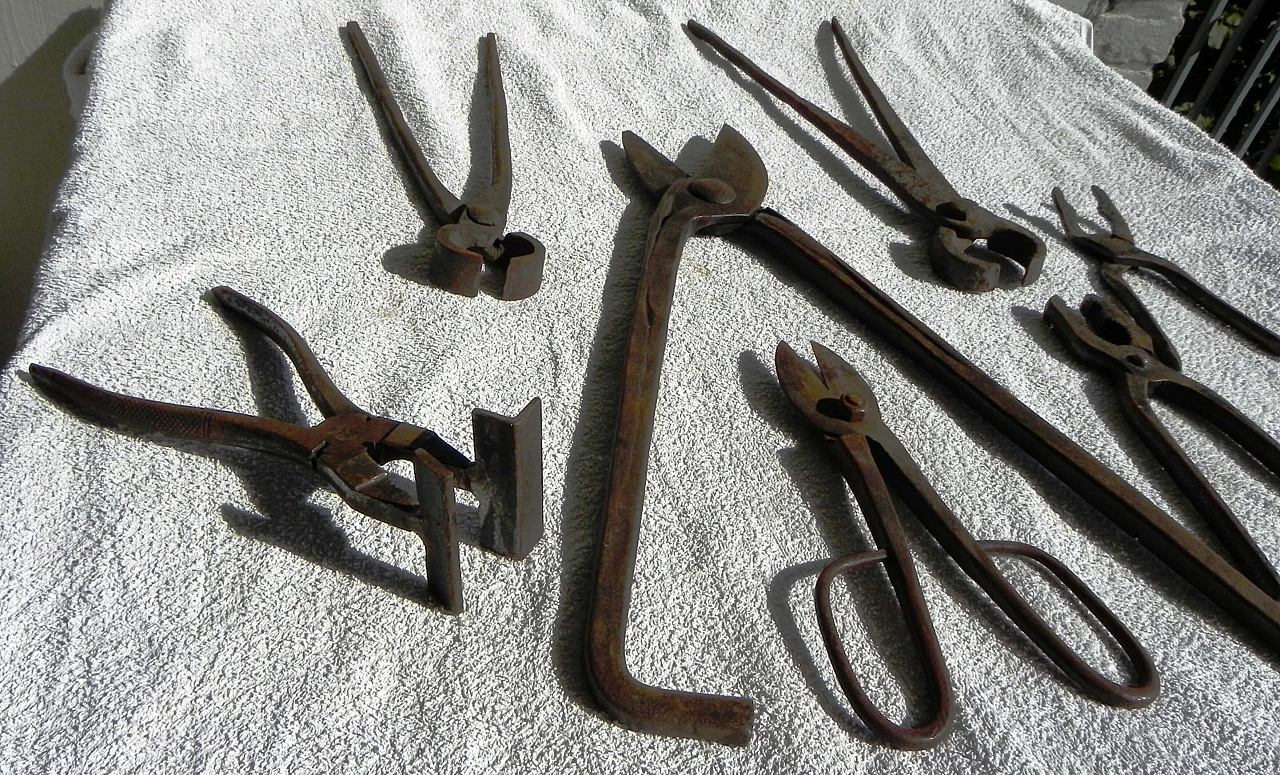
[1105, 336]
[1116, 247]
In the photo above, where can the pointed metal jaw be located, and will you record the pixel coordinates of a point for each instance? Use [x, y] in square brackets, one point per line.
[833, 397]
[733, 174]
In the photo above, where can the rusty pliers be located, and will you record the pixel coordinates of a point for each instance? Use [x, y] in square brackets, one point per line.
[960, 224]
[471, 234]
[349, 449]
[1106, 336]
[1117, 254]
[836, 400]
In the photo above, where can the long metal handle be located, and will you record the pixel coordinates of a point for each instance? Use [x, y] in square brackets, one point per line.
[444, 205]
[634, 704]
[1134, 391]
[1202, 567]
[974, 558]
[863, 473]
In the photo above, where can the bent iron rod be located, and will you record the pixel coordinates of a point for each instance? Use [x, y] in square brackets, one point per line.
[1204, 568]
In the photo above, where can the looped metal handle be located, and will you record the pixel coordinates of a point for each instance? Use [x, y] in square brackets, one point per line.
[1146, 681]
[915, 738]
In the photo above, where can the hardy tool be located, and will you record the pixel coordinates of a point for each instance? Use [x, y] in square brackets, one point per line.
[471, 234]
[837, 401]
[970, 243]
[350, 447]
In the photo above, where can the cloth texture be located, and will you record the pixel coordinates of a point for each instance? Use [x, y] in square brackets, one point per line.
[179, 608]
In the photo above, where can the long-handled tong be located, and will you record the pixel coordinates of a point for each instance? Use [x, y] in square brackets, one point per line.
[471, 232]
[837, 401]
[1117, 254]
[958, 222]
[349, 449]
[1106, 336]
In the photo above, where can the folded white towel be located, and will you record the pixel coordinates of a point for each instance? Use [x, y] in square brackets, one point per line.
[183, 609]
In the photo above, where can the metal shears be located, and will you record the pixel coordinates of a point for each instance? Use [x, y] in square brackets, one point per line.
[1117, 254]
[837, 401]
[970, 243]
[471, 234]
[349, 449]
[1106, 336]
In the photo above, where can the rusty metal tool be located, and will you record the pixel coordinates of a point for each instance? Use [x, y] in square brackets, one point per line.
[1117, 254]
[1106, 336]
[349, 449]
[724, 200]
[838, 401]
[472, 232]
[970, 243]
[729, 188]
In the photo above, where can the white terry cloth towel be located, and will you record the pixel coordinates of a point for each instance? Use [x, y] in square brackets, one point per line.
[186, 609]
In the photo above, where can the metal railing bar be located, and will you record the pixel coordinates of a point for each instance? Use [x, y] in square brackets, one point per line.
[1260, 118]
[1192, 53]
[1260, 61]
[1224, 59]
[1270, 151]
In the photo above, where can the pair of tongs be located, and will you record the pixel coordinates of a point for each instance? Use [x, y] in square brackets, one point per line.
[1117, 254]
[350, 447]
[472, 232]
[837, 401]
[1106, 336]
[959, 223]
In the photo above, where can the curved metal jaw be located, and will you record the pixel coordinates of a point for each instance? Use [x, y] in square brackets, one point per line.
[973, 248]
[1105, 335]
[726, 192]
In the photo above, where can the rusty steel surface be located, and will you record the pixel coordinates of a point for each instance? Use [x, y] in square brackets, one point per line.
[971, 245]
[736, 176]
[727, 191]
[1116, 254]
[350, 447]
[837, 401]
[1105, 336]
[471, 235]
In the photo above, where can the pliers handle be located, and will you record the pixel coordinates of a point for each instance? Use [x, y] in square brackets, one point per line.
[1104, 335]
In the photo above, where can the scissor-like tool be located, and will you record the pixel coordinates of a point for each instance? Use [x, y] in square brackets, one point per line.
[836, 400]
[1117, 254]
[472, 232]
[1107, 336]
[970, 244]
[350, 447]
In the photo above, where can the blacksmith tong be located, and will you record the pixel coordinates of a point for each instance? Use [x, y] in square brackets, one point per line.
[970, 243]
[471, 232]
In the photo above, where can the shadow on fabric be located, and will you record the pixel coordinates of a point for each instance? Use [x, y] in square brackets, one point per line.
[35, 147]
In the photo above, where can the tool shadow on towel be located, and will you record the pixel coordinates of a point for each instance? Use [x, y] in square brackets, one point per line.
[282, 515]
[587, 467]
[871, 602]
